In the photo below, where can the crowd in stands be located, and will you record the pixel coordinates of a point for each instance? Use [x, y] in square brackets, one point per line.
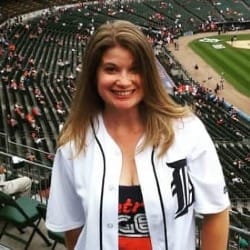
[40, 60]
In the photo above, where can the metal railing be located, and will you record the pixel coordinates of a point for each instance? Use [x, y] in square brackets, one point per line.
[235, 234]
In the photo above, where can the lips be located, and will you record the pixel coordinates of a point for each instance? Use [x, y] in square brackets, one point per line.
[123, 92]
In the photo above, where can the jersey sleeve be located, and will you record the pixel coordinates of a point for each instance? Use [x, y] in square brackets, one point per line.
[64, 210]
[205, 170]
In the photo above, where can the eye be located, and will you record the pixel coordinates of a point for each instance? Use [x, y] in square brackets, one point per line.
[110, 69]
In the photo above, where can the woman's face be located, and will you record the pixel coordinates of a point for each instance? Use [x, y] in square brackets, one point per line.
[119, 82]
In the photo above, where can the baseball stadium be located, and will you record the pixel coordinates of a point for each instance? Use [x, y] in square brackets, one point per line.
[202, 49]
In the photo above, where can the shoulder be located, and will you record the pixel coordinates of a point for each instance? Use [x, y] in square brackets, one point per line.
[190, 124]
[190, 133]
[191, 137]
[70, 148]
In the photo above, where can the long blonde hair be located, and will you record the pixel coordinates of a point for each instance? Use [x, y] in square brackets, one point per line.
[157, 108]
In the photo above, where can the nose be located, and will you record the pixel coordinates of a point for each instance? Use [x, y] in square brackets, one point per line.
[124, 78]
[123, 81]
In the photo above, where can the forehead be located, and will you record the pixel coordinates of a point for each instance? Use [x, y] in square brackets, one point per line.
[118, 54]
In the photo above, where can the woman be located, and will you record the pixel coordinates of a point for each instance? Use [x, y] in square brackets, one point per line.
[132, 167]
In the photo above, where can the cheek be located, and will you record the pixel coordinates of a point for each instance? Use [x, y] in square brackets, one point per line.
[104, 81]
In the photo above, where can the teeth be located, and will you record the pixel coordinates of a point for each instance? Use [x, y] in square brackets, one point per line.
[123, 93]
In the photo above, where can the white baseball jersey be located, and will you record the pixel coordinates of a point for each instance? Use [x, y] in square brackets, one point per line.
[187, 179]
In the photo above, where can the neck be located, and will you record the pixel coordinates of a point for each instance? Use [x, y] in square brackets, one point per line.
[129, 120]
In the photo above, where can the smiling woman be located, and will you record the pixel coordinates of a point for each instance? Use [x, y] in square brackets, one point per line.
[119, 82]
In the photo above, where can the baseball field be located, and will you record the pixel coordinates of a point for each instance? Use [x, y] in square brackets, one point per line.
[229, 55]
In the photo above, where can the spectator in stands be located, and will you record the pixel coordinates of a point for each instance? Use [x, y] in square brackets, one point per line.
[39, 96]
[243, 243]
[60, 108]
[36, 137]
[235, 117]
[247, 158]
[220, 121]
[237, 180]
[30, 156]
[13, 85]
[221, 101]
[31, 120]
[238, 163]
[12, 124]
[19, 110]
[17, 162]
[131, 158]
[20, 186]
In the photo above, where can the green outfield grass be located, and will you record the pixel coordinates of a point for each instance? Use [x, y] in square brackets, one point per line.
[233, 62]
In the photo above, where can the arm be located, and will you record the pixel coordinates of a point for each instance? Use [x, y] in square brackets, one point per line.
[215, 227]
[71, 238]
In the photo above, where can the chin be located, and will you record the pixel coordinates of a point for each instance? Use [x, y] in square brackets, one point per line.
[127, 108]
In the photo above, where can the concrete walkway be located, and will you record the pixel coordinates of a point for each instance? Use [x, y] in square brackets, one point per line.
[7, 243]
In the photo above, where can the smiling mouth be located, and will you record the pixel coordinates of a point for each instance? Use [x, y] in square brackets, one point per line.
[123, 92]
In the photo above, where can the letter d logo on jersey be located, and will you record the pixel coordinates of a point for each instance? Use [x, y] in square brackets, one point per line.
[181, 186]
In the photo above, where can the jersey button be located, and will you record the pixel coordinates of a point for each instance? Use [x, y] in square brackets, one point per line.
[111, 187]
[110, 225]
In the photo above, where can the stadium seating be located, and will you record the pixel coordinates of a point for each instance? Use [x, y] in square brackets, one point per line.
[21, 213]
[58, 40]
[233, 10]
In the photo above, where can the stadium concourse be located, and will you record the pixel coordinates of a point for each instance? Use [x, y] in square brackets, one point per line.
[41, 43]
